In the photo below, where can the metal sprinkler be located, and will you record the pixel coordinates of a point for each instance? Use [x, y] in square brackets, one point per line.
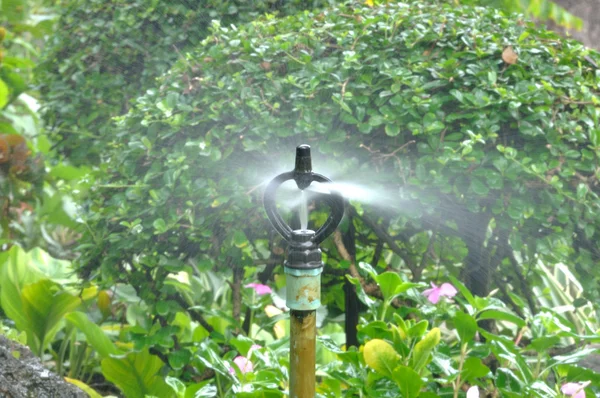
[303, 269]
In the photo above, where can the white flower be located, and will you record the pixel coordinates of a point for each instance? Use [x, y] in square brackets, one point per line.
[473, 392]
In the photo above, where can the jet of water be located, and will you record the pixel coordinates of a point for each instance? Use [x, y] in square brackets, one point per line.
[303, 211]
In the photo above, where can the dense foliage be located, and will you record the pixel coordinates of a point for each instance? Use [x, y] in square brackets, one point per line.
[485, 129]
[539, 9]
[107, 53]
[33, 209]
[467, 142]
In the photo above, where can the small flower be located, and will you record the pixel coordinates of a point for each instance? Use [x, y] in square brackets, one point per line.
[259, 288]
[243, 364]
[575, 390]
[473, 392]
[434, 294]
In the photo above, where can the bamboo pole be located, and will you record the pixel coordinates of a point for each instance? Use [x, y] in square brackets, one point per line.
[303, 331]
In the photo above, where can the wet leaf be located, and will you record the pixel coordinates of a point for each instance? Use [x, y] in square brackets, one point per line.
[381, 356]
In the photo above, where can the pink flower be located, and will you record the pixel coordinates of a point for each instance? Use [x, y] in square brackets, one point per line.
[575, 390]
[243, 364]
[434, 294]
[259, 288]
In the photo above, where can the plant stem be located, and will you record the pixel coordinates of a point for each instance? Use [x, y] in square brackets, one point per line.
[463, 354]
[218, 380]
[537, 366]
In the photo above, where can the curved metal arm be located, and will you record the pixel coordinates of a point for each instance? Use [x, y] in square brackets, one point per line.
[303, 176]
[271, 207]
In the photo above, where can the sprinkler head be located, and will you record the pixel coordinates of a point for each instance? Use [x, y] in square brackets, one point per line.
[303, 170]
[303, 243]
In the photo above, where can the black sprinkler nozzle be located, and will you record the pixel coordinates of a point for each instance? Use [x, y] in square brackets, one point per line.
[303, 170]
[303, 176]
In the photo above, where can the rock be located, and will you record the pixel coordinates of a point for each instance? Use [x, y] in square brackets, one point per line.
[26, 377]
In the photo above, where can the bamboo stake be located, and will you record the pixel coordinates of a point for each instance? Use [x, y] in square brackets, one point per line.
[303, 331]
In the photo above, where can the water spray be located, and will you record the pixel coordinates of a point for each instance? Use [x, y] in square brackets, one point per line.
[303, 269]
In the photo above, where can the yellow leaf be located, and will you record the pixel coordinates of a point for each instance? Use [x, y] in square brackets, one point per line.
[272, 311]
[279, 329]
[369, 3]
[423, 349]
[104, 303]
[84, 387]
[381, 356]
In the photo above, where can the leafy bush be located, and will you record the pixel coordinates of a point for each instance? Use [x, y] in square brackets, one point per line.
[483, 130]
[109, 52]
[33, 209]
[541, 9]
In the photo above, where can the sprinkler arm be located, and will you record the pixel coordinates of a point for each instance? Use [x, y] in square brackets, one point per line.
[303, 176]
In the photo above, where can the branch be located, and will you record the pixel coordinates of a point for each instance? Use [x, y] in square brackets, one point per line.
[371, 289]
[389, 240]
[194, 314]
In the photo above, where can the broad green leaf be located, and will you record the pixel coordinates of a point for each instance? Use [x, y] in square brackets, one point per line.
[542, 344]
[388, 282]
[44, 306]
[465, 326]
[177, 385]
[392, 129]
[418, 329]
[159, 225]
[423, 349]
[391, 285]
[408, 381]
[473, 368]
[137, 375]
[380, 356]
[501, 316]
[94, 334]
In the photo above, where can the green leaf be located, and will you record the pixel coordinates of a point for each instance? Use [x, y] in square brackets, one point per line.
[422, 351]
[137, 375]
[159, 225]
[94, 334]
[68, 172]
[392, 129]
[380, 356]
[388, 282]
[466, 326]
[408, 381]
[473, 368]
[464, 291]
[542, 344]
[45, 305]
[239, 239]
[479, 187]
[391, 285]
[418, 329]
[499, 315]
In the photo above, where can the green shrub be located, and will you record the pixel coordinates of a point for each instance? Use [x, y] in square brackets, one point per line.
[105, 53]
[494, 159]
